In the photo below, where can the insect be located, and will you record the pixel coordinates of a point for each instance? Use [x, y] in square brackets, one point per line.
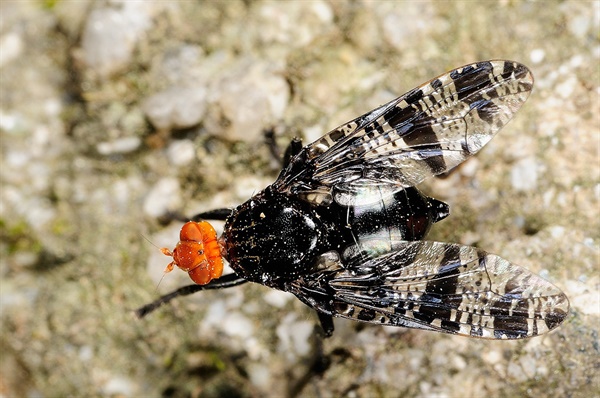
[342, 227]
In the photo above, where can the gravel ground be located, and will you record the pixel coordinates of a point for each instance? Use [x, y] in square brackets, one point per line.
[113, 113]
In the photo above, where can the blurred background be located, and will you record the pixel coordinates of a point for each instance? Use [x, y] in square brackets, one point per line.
[114, 113]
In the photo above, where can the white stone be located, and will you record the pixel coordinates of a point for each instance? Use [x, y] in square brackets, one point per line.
[247, 97]
[111, 34]
[588, 303]
[566, 88]
[260, 375]
[12, 47]
[294, 337]
[537, 55]
[236, 324]
[181, 152]
[165, 196]
[119, 145]
[119, 385]
[176, 107]
[277, 298]
[524, 174]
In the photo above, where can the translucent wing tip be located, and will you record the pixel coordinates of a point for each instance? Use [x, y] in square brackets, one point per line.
[528, 305]
[494, 90]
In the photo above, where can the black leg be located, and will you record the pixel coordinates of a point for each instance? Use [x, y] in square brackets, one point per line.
[223, 282]
[272, 144]
[326, 323]
[216, 214]
[172, 216]
[292, 150]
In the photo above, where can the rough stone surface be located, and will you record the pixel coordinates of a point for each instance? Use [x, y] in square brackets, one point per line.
[84, 176]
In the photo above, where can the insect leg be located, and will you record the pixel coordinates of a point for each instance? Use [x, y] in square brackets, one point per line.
[326, 323]
[292, 150]
[224, 282]
[216, 214]
[272, 144]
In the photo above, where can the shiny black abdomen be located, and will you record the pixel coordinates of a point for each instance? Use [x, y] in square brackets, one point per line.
[403, 215]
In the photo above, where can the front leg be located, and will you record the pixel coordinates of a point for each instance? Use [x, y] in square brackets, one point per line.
[224, 282]
[216, 214]
[292, 150]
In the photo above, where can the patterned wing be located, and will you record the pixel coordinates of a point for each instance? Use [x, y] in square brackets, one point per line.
[442, 287]
[425, 132]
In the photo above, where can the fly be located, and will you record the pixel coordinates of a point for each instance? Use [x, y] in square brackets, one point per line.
[342, 227]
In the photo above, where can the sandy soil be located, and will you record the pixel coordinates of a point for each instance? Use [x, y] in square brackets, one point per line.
[113, 113]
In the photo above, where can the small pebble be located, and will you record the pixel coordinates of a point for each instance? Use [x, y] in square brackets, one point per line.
[120, 145]
[164, 196]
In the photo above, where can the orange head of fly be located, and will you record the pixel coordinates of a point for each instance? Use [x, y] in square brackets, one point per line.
[198, 252]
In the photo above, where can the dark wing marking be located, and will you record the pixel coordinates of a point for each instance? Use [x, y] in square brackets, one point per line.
[441, 287]
[425, 132]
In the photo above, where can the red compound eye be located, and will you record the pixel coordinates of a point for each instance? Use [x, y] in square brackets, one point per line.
[198, 252]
